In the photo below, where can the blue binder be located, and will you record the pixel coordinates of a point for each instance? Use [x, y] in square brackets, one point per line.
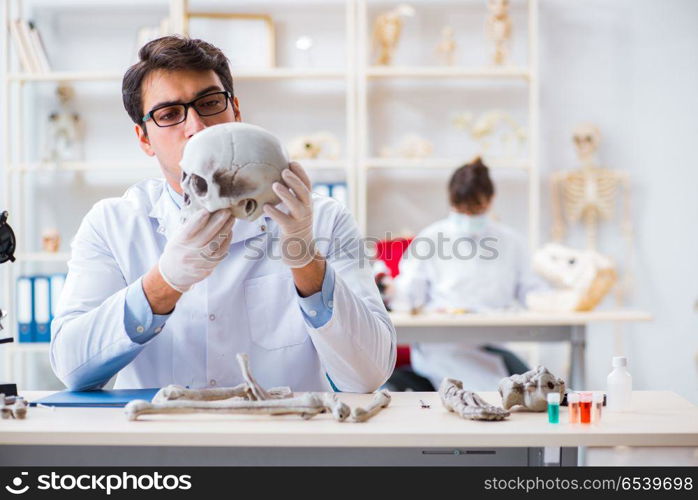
[42, 309]
[56, 287]
[338, 191]
[98, 399]
[25, 309]
[321, 188]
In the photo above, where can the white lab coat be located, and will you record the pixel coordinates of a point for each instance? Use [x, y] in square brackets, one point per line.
[246, 305]
[496, 278]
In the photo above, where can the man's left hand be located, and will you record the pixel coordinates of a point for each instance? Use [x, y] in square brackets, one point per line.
[297, 242]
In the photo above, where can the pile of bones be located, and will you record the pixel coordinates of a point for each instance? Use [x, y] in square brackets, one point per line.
[12, 407]
[250, 398]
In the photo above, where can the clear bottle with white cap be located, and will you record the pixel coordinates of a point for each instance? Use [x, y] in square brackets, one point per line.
[619, 386]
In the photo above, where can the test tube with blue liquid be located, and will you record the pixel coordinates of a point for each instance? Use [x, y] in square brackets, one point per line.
[554, 407]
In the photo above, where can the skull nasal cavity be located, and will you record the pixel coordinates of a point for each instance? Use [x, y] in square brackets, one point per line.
[200, 184]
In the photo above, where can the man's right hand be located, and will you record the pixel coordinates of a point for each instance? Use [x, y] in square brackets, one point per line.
[196, 249]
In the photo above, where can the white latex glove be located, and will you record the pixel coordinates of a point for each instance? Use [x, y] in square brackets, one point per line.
[297, 242]
[196, 248]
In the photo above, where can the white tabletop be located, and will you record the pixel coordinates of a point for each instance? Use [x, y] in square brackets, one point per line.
[659, 419]
[518, 318]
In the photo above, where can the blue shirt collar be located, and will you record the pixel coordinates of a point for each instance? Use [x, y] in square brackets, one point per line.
[176, 197]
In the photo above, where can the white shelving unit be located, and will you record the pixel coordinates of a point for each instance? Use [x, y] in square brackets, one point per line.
[528, 75]
[17, 166]
[446, 72]
[355, 76]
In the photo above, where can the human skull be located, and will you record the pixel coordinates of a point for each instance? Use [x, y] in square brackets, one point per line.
[499, 8]
[231, 165]
[586, 138]
[530, 389]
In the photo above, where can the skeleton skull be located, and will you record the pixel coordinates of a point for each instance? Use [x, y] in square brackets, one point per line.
[530, 389]
[232, 165]
[586, 138]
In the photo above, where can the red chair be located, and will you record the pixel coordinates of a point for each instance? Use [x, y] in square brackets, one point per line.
[390, 252]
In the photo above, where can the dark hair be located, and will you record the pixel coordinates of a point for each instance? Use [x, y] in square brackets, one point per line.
[171, 53]
[470, 186]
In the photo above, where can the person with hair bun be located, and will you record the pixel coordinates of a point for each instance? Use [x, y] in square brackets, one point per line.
[464, 263]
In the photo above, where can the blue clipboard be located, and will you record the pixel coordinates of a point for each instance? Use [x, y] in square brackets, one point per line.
[117, 398]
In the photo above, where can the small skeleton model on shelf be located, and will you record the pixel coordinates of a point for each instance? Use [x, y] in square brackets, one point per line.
[387, 29]
[589, 194]
[64, 131]
[496, 132]
[314, 146]
[581, 279]
[250, 398]
[530, 390]
[50, 240]
[446, 48]
[12, 407]
[498, 29]
[468, 404]
[231, 165]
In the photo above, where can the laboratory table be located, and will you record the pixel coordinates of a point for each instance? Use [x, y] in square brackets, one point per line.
[405, 433]
[519, 326]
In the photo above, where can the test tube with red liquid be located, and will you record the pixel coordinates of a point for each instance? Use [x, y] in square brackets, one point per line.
[585, 407]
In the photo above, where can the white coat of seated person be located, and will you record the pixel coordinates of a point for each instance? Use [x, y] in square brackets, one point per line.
[496, 278]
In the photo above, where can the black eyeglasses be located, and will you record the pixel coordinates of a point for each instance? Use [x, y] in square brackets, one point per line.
[174, 114]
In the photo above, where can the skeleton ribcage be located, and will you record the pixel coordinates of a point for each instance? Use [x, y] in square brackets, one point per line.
[587, 192]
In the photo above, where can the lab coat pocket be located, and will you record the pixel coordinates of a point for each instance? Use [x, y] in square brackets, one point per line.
[275, 318]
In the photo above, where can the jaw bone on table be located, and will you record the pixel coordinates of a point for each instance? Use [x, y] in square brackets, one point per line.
[250, 398]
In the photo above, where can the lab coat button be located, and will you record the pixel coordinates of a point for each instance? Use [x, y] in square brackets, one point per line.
[212, 382]
[158, 329]
[140, 329]
[312, 313]
[212, 317]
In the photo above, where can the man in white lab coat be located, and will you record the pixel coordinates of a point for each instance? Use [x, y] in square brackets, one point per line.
[465, 263]
[140, 301]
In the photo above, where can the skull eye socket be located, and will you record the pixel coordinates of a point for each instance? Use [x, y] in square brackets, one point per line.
[199, 184]
[250, 206]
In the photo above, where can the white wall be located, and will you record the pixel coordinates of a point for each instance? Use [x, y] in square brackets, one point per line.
[631, 67]
[628, 65]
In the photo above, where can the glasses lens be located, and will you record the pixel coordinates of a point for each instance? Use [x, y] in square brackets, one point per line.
[171, 115]
[211, 104]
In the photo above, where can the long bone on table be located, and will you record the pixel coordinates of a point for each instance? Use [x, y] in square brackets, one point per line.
[250, 398]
